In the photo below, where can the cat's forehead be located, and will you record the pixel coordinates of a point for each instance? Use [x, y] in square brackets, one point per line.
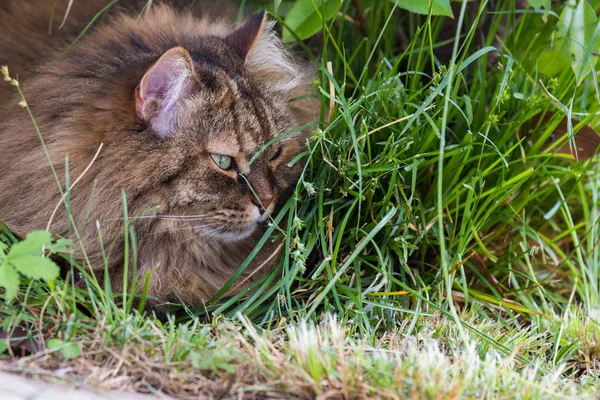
[232, 115]
[237, 143]
[241, 127]
[223, 142]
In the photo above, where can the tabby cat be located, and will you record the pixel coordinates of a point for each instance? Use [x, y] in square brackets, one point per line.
[171, 105]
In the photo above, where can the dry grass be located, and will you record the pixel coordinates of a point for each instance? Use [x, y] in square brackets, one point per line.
[310, 361]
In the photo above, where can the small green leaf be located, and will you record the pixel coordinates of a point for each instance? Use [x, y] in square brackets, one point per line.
[576, 27]
[438, 7]
[6, 324]
[468, 109]
[61, 246]
[195, 356]
[9, 280]
[226, 367]
[36, 267]
[305, 19]
[32, 245]
[68, 350]
[218, 359]
[71, 350]
[538, 4]
[554, 61]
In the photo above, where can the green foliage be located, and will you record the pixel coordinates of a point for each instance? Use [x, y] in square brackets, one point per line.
[30, 259]
[67, 350]
[433, 7]
[3, 348]
[214, 360]
[537, 4]
[306, 17]
[577, 38]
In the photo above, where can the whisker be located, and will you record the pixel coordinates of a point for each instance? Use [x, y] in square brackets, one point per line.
[163, 217]
[182, 228]
[209, 237]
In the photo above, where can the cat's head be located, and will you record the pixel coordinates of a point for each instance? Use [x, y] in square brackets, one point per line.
[215, 112]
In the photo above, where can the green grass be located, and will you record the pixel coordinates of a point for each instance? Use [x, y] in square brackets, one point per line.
[436, 247]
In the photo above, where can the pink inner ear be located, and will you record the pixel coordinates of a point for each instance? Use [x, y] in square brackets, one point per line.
[163, 89]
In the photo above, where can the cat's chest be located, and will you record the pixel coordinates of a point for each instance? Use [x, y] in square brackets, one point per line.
[194, 252]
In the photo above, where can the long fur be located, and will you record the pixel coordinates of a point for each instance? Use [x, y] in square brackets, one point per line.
[185, 209]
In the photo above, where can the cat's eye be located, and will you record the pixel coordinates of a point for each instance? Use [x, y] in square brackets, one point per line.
[277, 154]
[223, 162]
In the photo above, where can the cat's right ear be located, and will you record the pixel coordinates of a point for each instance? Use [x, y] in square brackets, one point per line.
[246, 37]
[162, 90]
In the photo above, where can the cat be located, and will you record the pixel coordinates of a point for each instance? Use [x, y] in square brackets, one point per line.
[171, 104]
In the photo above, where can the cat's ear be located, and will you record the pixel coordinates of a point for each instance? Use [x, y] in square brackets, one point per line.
[264, 54]
[163, 89]
[245, 38]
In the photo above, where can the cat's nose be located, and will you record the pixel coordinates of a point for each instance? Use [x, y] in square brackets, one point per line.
[264, 202]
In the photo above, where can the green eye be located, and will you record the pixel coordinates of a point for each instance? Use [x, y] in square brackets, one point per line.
[224, 162]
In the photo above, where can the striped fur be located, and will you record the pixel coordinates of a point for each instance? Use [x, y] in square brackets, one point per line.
[200, 222]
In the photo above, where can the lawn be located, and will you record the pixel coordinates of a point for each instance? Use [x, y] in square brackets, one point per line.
[442, 241]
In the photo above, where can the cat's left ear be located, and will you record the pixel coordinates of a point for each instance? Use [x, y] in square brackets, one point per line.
[245, 38]
[265, 56]
[163, 89]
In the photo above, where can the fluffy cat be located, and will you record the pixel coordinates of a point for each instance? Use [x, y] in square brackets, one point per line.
[180, 103]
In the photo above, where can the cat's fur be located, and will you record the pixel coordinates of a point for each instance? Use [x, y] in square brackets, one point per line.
[161, 90]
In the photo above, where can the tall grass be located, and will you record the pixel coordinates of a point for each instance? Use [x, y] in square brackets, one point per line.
[434, 205]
